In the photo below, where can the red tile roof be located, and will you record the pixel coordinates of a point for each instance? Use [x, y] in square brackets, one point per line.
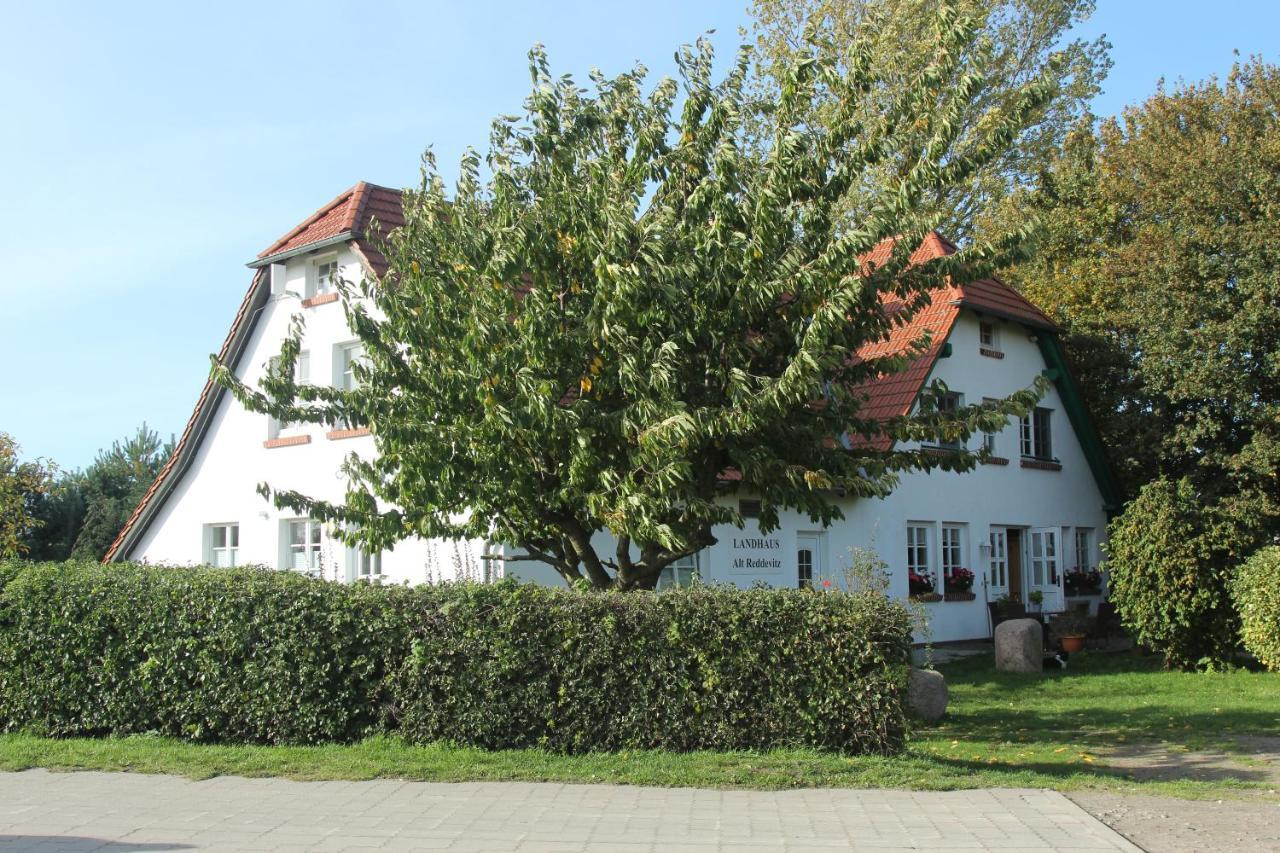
[893, 394]
[354, 213]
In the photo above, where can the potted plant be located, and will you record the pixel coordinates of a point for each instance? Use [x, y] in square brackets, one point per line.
[1035, 598]
[1071, 628]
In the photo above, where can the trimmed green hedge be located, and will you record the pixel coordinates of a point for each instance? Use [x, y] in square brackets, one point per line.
[1256, 590]
[260, 656]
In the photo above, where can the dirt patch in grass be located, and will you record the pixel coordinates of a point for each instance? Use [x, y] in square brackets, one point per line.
[1164, 762]
[1167, 824]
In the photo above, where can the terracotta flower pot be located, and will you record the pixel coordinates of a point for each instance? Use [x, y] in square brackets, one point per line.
[1072, 643]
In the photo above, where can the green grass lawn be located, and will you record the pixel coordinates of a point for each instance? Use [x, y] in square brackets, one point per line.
[1005, 730]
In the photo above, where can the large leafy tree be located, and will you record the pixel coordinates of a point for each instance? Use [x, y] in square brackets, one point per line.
[1019, 41]
[21, 485]
[1160, 257]
[639, 311]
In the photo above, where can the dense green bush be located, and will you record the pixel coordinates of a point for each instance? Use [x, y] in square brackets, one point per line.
[244, 655]
[706, 668]
[1170, 568]
[262, 656]
[1256, 590]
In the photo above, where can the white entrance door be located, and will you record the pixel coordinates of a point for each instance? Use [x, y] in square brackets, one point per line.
[808, 558]
[998, 571]
[1045, 563]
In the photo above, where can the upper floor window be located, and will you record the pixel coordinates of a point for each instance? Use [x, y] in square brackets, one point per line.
[324, 277]
[345, 358]
[1037, 440]
[224, 545]
[302, 545]
[949, 404]
[988, 336]
[989, 438]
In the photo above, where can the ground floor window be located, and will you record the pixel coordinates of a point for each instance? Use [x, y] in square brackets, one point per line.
[303, 545]
[224, 545]
[362, 564]
[682, 572]
[919, 575]
[1084, 549]
[999, 559]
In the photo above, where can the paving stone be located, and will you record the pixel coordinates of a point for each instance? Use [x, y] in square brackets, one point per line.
[113, 812]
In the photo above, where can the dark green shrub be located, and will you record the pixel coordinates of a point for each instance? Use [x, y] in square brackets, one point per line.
[1170, 568]
[1256, 590]
[246, 655]
[252, 655]
[705, 668]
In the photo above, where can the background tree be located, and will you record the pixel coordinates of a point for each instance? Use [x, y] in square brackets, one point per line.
[1014, 45]
[1160, 258]
[113, 485]
[639, 301]
[21, 484]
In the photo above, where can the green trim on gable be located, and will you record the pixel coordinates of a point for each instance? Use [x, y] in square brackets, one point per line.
[1086, 433]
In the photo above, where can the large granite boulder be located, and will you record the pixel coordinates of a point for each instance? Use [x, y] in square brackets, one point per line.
[1019, 646]
[927, 694]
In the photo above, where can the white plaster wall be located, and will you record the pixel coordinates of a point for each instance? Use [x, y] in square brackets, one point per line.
[221, 484]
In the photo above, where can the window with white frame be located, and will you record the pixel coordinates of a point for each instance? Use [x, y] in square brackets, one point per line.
[324, 276]
[344, 361]
[999, 559]
[224, 545]
[1084, 549]
[988, 336]
[302, 545]
[683, 572]
[363, 564]
[1037, 439]
[949, 403]
[952, 548]
[918, 549]
[301, 376]
[989, 438]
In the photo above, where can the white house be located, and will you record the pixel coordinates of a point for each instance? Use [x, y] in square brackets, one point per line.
[1035, 510]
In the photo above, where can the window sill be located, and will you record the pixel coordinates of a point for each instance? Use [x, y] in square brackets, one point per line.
[339, 434]
[287, 441]
[1042, 464]
[995, 460]
[939, 450]
[322, 299]
[959, 596]
[990, 353]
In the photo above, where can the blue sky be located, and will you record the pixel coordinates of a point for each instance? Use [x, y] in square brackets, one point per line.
[148, 150]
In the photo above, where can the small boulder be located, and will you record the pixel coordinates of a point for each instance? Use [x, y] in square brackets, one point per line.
[927, 694]
[1019, 646]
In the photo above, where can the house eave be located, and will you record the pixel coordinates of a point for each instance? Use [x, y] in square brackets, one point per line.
[335, 240]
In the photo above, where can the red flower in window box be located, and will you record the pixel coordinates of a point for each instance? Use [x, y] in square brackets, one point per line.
[958, 580]
[919, 583]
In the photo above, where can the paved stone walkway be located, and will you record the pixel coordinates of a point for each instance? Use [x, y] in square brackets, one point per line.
[43, 811]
